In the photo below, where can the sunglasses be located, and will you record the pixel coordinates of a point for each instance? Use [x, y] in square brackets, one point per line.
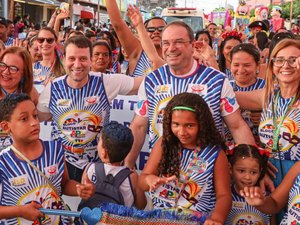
[152, 29]
[49, 40]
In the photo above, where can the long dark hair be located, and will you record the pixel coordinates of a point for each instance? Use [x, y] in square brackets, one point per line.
[207, 133]
[222, 60]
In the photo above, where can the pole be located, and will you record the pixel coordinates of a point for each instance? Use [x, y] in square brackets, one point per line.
[98, 14]
[291, 11]
[71, 12]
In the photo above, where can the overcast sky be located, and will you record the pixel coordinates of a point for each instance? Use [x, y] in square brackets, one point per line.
[206, 5]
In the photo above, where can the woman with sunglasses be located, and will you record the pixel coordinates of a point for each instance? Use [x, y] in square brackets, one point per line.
[51, 65]
[15, 77]
[280, 101]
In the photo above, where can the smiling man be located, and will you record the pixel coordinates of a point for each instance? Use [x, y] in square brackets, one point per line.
[79, 104]
[139, 64]
[183, 74]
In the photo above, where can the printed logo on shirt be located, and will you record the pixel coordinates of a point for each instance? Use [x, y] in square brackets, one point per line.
[163, 89]
[247, 218]
[19, 182]
[63, 102]
[158, 116]
[51, 170]
[80, 127]
[227, 104]
[200, 89]
[91, 100]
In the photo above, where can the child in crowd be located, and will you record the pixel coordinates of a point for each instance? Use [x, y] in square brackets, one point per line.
[115, 143]
[187, 167]
[32, 172]
[286, 194]
[247, 167]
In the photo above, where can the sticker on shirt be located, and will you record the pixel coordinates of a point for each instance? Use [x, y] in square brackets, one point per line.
[19, 182]
[200, 89]
[46, 197]
[158, 116]
[63, 102]
[51, 170]
[163, 89]
[80, 127]
[238, 205]
[91, 100]
[247, 218]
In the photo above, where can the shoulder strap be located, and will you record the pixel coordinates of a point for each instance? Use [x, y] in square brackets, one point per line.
[121, 176]
[100, 171]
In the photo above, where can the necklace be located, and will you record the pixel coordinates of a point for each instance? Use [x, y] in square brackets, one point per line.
[187, 176]
[277, 126]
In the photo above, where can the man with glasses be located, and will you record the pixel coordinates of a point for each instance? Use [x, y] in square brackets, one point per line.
[79, 104]
[183, 74]
[139, 64]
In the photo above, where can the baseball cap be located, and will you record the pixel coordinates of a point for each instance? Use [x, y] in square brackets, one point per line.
[3, 21]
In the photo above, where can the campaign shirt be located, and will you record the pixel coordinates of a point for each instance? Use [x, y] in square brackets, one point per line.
[161, 85]
[22, 184]
[198, 191]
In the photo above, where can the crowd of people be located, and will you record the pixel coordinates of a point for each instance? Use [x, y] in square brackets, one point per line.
[220, 107]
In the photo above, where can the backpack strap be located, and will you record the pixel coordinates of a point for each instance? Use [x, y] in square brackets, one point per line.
[118, 178]
[99, 171]
[121, 176]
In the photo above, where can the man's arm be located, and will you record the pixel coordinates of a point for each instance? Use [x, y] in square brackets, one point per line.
[128, 41]
[139, 127]
[239, 129]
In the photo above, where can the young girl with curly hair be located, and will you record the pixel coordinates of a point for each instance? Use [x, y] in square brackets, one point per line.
[187, 167]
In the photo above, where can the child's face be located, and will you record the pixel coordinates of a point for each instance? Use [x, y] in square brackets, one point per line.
[24, 125]
[185, 127]
[245, 172]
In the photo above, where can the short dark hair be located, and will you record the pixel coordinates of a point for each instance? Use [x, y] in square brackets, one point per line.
[181, 24]
[103, 43]
[117, 140]
[248, 48]
[211, 24]
[198, 33]
[153, 18]
[9, 103]
[79, 42]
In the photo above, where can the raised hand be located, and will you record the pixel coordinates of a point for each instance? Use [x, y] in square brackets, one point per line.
[253, 195]
[155, 181]
[134, 15]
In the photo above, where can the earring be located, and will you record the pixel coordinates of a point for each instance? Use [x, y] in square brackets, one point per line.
[257, 71]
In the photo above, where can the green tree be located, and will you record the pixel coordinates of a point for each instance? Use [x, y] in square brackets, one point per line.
[286, 9]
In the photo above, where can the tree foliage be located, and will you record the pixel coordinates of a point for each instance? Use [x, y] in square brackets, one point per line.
[286, 9]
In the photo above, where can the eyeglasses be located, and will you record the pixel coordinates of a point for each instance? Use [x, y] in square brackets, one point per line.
[41, 40]
[280, 61]
[152, 29]
[11, 69]
[176, 42]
